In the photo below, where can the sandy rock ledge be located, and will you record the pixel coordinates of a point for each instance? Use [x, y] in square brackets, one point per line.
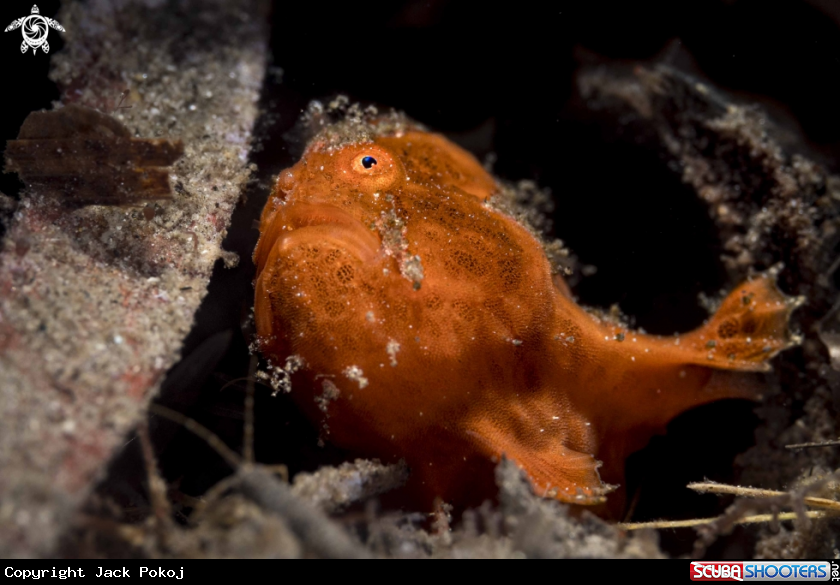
[95, 302]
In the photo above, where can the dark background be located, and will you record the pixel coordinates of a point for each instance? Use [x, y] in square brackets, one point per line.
[500, 79]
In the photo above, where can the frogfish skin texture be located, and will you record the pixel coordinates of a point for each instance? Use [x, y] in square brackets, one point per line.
[430, 327]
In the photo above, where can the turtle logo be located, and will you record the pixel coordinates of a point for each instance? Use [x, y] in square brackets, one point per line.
[35, 30]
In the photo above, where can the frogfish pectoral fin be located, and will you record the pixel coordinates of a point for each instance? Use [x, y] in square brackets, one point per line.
[553, 469]
[749, 328]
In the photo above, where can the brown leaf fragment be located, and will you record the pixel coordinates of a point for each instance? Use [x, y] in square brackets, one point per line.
[86, 157]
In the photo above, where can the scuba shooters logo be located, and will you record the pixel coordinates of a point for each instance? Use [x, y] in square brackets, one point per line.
[765, 571]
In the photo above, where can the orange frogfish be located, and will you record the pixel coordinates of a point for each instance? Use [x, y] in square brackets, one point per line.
[428, 326]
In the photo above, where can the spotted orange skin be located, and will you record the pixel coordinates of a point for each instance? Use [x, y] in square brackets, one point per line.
[480, 353]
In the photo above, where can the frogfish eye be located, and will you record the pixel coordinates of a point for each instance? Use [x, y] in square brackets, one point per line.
[369, 166]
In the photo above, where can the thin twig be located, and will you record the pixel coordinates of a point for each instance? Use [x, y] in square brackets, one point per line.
[211, 496]
[120, 105]
[157, 487]
[253, 379]
[748, 492]
[750, 505]
[706, 521]
[631, 509]
[135, 535]
[248, 438]
[814, 444]
[229, 455]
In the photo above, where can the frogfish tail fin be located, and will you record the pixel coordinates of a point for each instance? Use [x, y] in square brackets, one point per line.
[749, 328]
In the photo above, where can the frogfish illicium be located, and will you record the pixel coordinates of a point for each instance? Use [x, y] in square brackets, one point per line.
[429, 326]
